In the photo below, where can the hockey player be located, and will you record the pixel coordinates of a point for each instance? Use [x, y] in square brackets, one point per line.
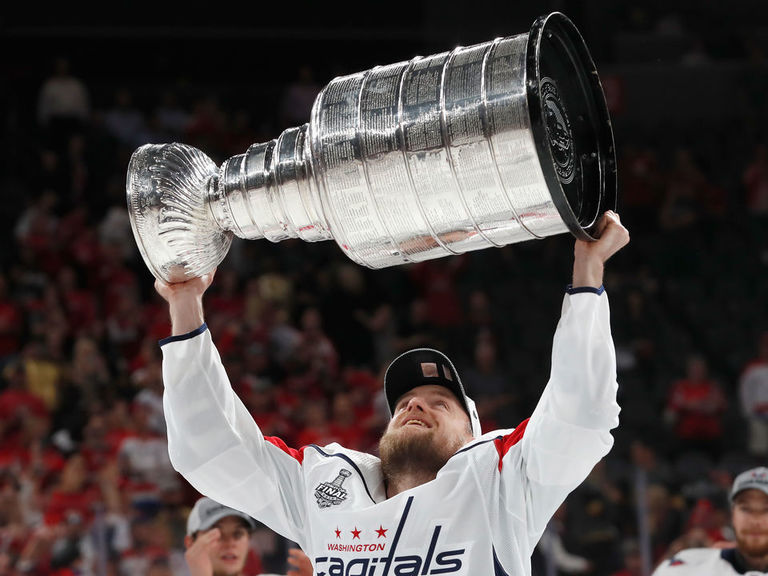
[443, 498]
[749, 518]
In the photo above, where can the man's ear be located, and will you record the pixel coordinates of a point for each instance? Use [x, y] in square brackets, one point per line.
[188, 541]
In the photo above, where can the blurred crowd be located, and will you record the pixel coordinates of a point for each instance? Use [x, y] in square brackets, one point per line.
[86, 486]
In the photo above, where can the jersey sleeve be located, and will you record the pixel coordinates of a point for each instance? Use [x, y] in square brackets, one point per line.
[215, 444]
[569, 430]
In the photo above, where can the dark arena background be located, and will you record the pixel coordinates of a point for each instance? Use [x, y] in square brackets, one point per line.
[305, 333]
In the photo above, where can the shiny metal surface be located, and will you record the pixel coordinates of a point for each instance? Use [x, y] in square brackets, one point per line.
[169, 209]
[483, 146]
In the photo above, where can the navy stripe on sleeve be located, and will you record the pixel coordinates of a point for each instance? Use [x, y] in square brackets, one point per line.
[580, 289]
[187, 336]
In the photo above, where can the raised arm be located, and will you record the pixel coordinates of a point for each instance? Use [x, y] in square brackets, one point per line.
[569, 431]
[213, 441]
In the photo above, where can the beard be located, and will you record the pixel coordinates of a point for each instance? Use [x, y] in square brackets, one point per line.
[752, 547]
[402, 452]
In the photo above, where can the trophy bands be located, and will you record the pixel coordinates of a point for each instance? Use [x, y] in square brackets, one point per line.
[483, 146]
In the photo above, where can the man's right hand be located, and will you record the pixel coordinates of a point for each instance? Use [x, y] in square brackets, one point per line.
[198, 555]
[185, 302]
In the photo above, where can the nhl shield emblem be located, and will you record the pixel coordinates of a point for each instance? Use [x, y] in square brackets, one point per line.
[331, 493]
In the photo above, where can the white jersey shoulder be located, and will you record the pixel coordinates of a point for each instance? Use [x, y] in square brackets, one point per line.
[700, 561]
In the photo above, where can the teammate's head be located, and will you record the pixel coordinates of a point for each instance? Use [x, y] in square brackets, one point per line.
[225, 533]
[749, 513]
[431, 416]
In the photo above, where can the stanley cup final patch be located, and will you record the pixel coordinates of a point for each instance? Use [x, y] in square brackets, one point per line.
[331, 493]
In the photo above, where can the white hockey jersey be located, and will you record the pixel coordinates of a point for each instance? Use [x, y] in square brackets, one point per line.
[706, 561]
[482, 515]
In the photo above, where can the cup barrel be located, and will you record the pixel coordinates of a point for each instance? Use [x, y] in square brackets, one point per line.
[167, 191]
[484, 146]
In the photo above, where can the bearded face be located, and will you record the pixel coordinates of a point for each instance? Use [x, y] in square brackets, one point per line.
[427, 428]
[750, 523]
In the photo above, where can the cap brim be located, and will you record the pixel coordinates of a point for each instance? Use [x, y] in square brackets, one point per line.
[735, 494]
[211, 521]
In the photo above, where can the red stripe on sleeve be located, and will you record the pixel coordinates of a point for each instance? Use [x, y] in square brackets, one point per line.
[297, 454]
[504, 443]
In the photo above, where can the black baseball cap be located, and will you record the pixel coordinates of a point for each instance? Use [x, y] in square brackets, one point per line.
[423, 367]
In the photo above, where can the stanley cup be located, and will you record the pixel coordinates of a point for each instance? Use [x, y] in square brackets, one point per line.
[483, 146]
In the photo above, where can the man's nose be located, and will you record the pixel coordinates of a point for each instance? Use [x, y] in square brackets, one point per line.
[415, 403]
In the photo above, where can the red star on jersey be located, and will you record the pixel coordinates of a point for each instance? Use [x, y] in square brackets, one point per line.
[381, 531]
[356, 533]
[338, 533]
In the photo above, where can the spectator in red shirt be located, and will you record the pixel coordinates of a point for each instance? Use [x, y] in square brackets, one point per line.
[96, 447]
[315, 424]
[711, 516]
[345, 427]
[72, 497]
[695, 407]
[362, 387]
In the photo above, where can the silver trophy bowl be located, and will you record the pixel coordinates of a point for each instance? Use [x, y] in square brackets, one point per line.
[483, 146]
